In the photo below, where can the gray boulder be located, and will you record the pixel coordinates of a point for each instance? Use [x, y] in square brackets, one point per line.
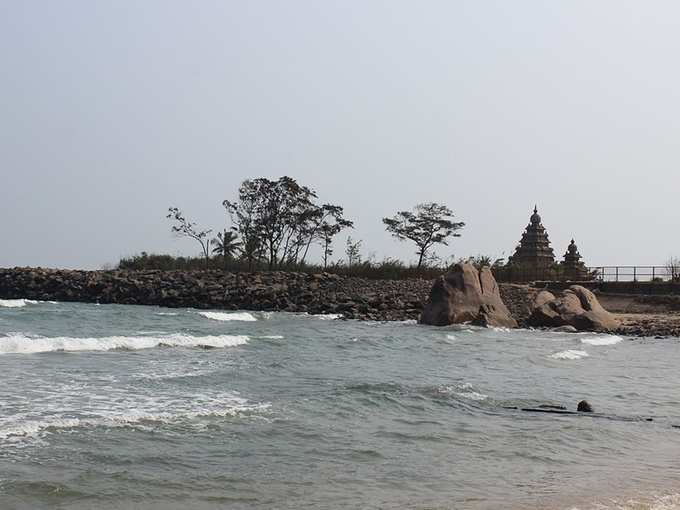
[465, 294]
[577, 307]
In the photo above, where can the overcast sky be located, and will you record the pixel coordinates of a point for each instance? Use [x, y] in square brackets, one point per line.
[111, 111]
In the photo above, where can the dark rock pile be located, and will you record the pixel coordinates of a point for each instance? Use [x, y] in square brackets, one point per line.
[519, 300]
[354, 298]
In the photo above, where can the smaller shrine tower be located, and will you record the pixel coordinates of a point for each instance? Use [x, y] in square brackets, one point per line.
[572, 267]
[534, 251]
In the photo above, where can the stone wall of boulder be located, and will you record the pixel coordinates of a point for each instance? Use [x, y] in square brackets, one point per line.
[274, 291]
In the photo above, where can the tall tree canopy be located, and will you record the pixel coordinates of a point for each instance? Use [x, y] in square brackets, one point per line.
[281, 219]
[428, 224]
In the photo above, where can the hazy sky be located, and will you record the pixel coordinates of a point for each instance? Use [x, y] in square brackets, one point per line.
[111, 111]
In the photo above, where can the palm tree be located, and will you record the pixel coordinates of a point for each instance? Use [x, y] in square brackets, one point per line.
[226, 244]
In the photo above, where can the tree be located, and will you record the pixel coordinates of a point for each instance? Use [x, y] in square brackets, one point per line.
[327, 231]
[244, 216]
[226, 244]
[186, 228]
[352, 252]
[283, 216]
[673, 268]
[427, 225]
[270, 211]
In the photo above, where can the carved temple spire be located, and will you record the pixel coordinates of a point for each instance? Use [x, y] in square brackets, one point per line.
[572, 266]
[534, 249]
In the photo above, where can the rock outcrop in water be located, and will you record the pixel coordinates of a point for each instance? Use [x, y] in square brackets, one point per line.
[465, 294]
[577, 307]
[584, 407]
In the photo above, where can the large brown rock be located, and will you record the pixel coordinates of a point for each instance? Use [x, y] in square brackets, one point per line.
[466, 295]
[577, 307]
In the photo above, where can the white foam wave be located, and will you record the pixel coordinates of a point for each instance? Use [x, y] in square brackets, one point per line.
[451, 337]
[272, 337]
[223, 316]
[177, 374]
[569, 354]
[23, 344]
[37, 427]
[16, 303]
[602, 340]
[168, 314]
[464, 390]
[327, 316]
[473, 395]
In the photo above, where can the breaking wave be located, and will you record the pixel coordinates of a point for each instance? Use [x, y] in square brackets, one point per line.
[224, 316]
[16, 303]
[602, 340]
[327, 316]
[465, 390]
[221, 407]
[22, 344]
[570, 354]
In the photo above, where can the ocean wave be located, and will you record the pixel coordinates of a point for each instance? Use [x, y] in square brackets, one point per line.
[177, 374]
[168, 314]
[16, 303]
[472, 395]
[221, 407]
[327, 316]
[465, 390]
[602, 340]
[229, 316]
[24, 344]
[569, 354]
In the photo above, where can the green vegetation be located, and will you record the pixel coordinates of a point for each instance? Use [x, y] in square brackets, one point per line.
[273, 225]
[389, 269]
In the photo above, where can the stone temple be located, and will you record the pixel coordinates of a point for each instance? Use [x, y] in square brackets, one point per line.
[572, 266]
[533, 251]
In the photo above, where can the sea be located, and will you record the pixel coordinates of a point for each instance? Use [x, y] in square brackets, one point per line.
[139, 407]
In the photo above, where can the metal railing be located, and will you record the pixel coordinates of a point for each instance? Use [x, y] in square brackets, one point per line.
[632, 273]
[594, 273]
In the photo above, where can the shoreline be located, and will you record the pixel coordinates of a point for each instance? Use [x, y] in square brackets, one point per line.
[321, 293]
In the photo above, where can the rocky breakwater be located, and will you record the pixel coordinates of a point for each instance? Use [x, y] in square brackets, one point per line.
[466, 294]
[326, 293]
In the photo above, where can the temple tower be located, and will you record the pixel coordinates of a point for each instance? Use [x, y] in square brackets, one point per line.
[572, 267]
[533, 251]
